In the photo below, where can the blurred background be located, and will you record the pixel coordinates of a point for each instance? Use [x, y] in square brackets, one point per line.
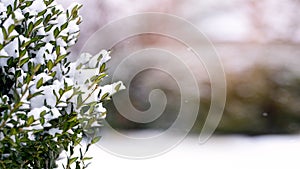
[258, 44]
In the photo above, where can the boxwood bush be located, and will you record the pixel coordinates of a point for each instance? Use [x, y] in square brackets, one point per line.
[47, 103]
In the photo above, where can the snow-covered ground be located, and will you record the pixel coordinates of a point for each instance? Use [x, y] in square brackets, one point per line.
[220, 152]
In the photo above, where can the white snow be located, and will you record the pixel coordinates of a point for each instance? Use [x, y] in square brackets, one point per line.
[35, 112]
[220, 152]
[61, 42]
[55, 113]
[12, 48]
[3, 61]
[2, 11]
[23, 39]
[45, 77]
[38, 101]
[38, 6]
[9, 21]
[18, 15]
[31, 136]
[73, 27]
[54, 131]
[99, 108]
[105, 56]
[7, 2]
[110, 89]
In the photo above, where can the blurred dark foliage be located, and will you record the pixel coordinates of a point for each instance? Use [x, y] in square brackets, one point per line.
[260, 100]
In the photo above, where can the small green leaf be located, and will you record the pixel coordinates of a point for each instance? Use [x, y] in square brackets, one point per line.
[37, 67]
[11, 28]
[38, 22]
[95, 140]
[72, 160]
[47, 29]
[26, 44]
[23, 61]
[34, 95]
[4, 33]
[57, 50]
[42, 12]
[39, 83]
[9, 9]
[22, 53]
[42, 120]
[72, 119]
[79, 66]
[30, 27]
[53, 74]
[30, 120]
[79, 99]
[50, 65]
[104, 96]
[61, 92]
[64, 26]
[117, 88]
[47, 19]
[56, 32]
[87, 158]
[4, 56]
[28, 3]
[102, 68]
[59, 58]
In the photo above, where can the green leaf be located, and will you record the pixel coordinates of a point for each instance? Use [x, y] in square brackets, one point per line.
[11, 28]
[117, 88]
[56, 32]
[47, 19]
[30, 27]
[53, 74]
[4, 33]
[9, 9]
[95, 140]
[79, 66]
[87, 158]
[42, 12]
[50, 65]
[79, 100]
[37, 67]
[59, 58]
[23, 61]
[4, 56]
[57, 50]
[28, 3]
[30, 120]
[38, 22]
[102, 68]
[34, 95]
[72, 119]
[102, 75]
[61, 92]
[39, 83]
[84, 109]
[64, 26]
[104, 96]
[42, 120]
[22, 53]
[72, 160]
[26, 44]
[47, 29]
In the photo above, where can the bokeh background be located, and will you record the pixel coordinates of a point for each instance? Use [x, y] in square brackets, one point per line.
[257, 42]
